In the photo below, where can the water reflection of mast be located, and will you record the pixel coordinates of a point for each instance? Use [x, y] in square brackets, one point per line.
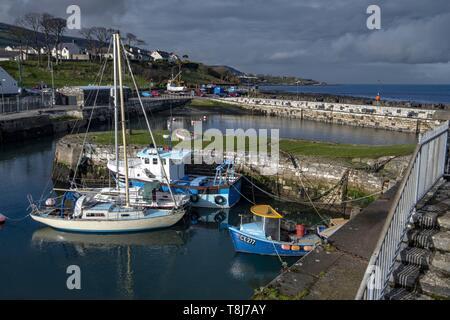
[126, 282]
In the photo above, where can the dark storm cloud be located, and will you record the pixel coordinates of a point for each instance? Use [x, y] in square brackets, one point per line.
[321, 39]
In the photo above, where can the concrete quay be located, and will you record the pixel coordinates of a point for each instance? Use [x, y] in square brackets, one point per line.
[334, 271]
[382, 117]
[66, 119]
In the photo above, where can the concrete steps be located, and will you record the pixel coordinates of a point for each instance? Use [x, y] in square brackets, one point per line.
[422, 270]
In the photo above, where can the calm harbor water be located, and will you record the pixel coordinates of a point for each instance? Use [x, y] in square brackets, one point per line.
[291, 129]
[402, 92]
[189, 261]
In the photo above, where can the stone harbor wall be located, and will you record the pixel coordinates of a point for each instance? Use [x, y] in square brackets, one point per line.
[382, 117]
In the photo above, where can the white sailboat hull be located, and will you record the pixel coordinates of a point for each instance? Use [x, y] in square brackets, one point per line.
[109, 226]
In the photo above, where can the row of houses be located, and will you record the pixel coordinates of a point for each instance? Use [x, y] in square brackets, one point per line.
[72, 51]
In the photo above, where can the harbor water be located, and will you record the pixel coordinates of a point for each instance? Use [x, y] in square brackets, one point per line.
[193, 260]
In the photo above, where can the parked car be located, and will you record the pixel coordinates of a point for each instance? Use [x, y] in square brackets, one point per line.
[155, 93]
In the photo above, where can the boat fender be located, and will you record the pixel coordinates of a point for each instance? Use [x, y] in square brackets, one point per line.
[220, 200]
[50, 202]
[2, 219]
[195, 198]
[220, 217]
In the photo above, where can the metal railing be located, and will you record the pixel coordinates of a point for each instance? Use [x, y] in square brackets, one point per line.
[425, 169]
[18, 104]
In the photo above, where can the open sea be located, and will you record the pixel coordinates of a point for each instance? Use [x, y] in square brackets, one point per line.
[395, 92]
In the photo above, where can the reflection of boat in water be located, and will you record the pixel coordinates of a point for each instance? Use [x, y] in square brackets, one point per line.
[263, 236]
[207, 215]
[149, 239]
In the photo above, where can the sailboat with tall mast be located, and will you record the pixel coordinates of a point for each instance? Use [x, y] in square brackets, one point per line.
[106, 211]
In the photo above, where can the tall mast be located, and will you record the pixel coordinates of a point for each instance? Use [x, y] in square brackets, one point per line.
[116, 113]
[122, 112]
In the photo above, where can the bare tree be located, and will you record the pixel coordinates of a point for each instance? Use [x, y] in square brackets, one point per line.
[46, 28]
[22, 38]
[58, 27]
[103, 36]
[131, 38]
[88, 35]
[33, 21]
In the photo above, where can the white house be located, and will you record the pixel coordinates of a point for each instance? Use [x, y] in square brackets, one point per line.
[160, 55]
[173, 57]
[70, 51]
[137, 54]
[8, 85]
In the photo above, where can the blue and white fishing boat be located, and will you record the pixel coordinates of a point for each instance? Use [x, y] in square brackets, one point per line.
[223, 190]
[263, 236]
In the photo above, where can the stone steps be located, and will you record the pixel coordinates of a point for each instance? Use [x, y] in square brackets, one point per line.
[421, 238]
[435, 284]
[441, 241]
[444, 221]
[422, 270]
[441, 262]
[405, 294]
[405, 276]
[415, 256]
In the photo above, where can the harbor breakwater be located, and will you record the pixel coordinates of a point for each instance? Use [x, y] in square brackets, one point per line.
[381, 117]
[321, 179]
[59, 120]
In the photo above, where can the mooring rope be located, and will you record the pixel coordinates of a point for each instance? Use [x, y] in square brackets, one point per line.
[17, 219]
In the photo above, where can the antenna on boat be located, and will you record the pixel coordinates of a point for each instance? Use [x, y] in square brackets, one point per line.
[122, 113]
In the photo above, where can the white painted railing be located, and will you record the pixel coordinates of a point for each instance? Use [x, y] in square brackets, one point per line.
[425, 170]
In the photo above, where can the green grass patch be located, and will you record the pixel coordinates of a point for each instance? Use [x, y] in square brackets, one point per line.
[137, 137]
[200, 103]
[343, 151]
[66, 73]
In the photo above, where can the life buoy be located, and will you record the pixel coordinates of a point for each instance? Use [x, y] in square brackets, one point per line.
[220, 217]
[195, 198]
[220, 200]
[2, 219]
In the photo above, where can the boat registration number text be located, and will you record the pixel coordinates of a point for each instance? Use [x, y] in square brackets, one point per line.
[247, 240]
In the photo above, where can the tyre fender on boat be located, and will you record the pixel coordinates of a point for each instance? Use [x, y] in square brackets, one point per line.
[220, 217]
[195, 198]
[220, 200]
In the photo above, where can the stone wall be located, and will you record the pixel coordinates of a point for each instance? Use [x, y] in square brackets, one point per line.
[382, 117]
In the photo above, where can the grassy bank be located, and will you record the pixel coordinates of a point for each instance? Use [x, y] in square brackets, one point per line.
[76, 73]
[296, 147]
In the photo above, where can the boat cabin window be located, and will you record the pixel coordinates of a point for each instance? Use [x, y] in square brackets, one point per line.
[147, 161]
[95, 215]
[125, 215]
[155, 160]
[272, 228]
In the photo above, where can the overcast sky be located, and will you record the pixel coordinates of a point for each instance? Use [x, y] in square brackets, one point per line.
[321, 39]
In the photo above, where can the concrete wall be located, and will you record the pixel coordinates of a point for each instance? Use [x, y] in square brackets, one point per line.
[388, 118]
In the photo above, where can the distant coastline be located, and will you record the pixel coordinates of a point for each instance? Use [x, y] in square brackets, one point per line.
[412, 95]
